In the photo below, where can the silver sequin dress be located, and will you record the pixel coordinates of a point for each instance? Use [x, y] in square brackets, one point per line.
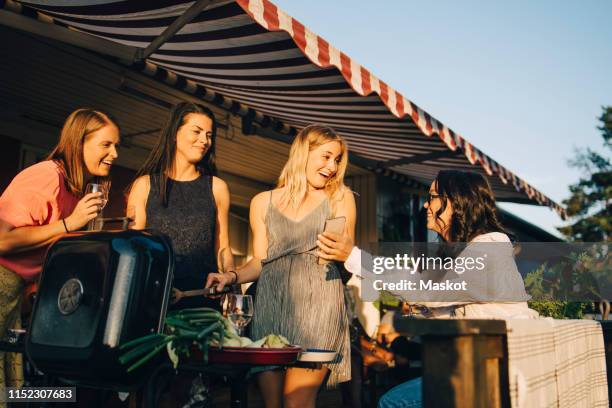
[298, 298]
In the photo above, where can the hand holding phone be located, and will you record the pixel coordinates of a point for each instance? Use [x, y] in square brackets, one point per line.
[335, 225]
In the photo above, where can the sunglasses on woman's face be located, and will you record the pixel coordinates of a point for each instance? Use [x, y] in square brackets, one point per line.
[431, 196]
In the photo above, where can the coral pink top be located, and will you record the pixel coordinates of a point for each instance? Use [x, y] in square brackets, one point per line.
[36, 196]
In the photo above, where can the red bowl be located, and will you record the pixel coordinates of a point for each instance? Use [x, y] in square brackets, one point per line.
[250, 356]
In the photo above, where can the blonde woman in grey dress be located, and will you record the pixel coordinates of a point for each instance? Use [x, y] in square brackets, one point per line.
[296, 296]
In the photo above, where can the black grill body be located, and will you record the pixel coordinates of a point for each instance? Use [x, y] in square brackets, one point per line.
[97, 291]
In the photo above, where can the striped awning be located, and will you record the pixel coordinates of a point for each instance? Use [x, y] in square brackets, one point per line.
[262, 64]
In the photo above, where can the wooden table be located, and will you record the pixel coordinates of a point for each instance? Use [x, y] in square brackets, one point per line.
[464, 361]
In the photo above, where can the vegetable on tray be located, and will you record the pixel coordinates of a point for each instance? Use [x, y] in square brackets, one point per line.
[186, 328]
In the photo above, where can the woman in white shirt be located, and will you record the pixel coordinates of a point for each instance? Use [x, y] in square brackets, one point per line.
[461, 209]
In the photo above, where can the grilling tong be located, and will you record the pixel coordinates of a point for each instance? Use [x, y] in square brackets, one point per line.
[212, 291]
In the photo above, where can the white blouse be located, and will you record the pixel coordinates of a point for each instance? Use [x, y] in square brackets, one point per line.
[480, 310]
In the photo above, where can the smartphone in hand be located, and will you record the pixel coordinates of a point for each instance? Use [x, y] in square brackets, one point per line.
[335, 225]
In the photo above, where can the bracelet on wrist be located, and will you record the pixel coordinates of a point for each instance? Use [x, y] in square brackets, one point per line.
[64, 222]
[235, 277]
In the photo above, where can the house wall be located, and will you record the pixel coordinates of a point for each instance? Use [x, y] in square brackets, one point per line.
[364, 188]
[399, 212]
[9, 159]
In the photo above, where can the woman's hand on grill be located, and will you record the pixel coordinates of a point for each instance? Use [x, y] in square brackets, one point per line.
[220, 280]
[86, 210]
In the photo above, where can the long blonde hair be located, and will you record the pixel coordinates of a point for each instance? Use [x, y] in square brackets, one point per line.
[293, 176]
[69, 150]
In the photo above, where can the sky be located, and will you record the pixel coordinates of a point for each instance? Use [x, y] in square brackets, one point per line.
[524, 81]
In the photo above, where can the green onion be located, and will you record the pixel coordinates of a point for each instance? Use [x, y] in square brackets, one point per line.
[148, 356]
[140, 350]
[207, 330]
[184, 328]
[140, 340]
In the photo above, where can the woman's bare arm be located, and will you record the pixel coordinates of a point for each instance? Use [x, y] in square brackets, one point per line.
[348, 209]
[252, 269]
[338, 247]
[14, 240]
[225, 259]
[137, 202]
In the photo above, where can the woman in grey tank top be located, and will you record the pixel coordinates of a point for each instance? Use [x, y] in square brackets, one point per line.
[296, 296]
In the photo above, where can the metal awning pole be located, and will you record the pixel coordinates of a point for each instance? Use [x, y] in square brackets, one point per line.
[419, 158]
[184, 19]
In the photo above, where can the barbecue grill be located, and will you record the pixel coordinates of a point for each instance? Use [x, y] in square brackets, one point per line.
[99, 290]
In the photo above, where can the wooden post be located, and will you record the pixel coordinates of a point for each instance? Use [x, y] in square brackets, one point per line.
[463, 361]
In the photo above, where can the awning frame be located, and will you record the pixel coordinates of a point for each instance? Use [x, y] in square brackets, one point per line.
[13, 19]
[271, 18]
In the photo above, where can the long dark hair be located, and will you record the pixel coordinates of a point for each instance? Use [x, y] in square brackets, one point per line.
[160, 162]
[473, 205]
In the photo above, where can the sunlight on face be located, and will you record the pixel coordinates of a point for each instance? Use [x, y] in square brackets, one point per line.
[194, 137]
[322, 164]
[441, 223]
[100, 150]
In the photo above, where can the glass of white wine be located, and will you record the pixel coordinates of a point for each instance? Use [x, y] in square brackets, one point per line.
[96, 223]
[239, 311]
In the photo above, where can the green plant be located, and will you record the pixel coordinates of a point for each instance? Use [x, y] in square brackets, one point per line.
[558, 309]
[568, 288]
[590, 202]
[387, 300]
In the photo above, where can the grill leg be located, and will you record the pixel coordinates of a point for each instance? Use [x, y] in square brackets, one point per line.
[151, 390]
[239, 390]
[47, 382]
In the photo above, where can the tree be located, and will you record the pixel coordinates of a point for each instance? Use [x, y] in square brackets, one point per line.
[590, 203]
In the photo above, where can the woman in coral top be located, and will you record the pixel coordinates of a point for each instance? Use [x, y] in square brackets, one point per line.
[43, 202]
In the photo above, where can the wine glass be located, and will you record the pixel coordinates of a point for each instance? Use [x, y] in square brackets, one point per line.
[96, 223]
[239, 311]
